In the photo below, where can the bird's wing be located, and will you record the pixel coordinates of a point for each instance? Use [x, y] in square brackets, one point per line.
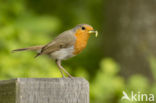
[64, 40]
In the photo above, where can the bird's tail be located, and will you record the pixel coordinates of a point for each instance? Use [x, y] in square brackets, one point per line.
[33, 48]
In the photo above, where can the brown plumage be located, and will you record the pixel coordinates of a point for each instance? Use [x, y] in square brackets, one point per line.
[33, 48]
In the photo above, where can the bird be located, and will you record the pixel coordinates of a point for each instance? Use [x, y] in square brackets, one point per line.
[66, 45]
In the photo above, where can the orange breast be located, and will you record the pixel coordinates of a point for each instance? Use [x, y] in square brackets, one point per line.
[81, 41]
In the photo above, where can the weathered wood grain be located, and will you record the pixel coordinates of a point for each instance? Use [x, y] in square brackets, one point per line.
[44, 90]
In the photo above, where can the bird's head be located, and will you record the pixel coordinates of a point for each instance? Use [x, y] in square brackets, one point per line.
[85, 30]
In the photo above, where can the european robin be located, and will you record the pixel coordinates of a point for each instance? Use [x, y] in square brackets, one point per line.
[66, 45]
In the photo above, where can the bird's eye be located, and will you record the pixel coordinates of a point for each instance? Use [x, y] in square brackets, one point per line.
[83, 28]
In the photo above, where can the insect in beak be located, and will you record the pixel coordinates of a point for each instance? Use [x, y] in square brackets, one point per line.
[93, 32]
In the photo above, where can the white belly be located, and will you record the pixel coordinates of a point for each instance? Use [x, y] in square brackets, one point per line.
[63, 54]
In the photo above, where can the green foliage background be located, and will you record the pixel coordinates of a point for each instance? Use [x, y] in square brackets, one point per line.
[26, 23]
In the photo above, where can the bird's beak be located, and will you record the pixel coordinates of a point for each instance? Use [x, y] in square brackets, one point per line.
[93, 32]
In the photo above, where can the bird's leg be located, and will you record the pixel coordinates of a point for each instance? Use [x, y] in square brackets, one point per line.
[61, 67]
[57, 62]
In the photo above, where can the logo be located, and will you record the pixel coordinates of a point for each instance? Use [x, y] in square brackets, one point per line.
[137, 96]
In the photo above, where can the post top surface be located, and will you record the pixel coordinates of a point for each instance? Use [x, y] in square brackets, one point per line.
[74, 80]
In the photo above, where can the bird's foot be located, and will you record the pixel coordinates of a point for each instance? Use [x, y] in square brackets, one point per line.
[71, 77]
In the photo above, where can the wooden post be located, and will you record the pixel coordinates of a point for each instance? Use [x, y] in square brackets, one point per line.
[44, 90]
